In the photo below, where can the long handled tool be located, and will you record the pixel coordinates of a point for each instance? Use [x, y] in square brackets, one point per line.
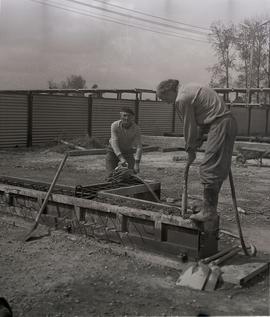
[216, 272]
[185, 185]
[184, 190]
[28, 235]
[123, 172]
[251, 246]
[148, 187]
[198, 275]
[243, 245]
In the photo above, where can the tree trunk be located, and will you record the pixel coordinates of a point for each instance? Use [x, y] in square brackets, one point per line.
[258, 70]
[227, 68]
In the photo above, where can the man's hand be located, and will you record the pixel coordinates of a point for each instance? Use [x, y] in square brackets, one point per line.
[199, 142]
[122, 161]
[191, 156]
[136, 168]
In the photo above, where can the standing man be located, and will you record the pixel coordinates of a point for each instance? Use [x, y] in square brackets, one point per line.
[202, 109]
[125, 135]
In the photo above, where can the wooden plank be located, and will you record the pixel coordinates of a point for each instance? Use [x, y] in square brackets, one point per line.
[150, 148]
[35, 182]
[155, 245]
[173, 149]
[94, 205]
[87, 152]
[132, 190]
[72, 145]
[146, 203]
[252, 150]
[241, 273]
[104, 151]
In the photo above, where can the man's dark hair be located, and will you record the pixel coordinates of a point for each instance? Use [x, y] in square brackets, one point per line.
[165, 86]
[127, 110]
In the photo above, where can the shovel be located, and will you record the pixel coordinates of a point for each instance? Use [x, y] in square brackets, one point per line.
[44, 204]
[215, 272]
[197, 275]
[245, 249]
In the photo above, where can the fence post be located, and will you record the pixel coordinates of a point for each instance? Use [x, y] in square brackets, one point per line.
[249, 112]
[173, 118]
[267, 122]
[249, 119]
[90, 112]
[137, 108]
[29, 118]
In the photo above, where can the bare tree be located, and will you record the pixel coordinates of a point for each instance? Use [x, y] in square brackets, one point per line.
[250, 42]
[242, 43]
[266, 58]
[222, 41]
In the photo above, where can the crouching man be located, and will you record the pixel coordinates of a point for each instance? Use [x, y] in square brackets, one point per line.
[125, 135]
[202, 109]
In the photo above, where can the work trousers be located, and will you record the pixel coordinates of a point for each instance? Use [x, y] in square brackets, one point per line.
[216, 163]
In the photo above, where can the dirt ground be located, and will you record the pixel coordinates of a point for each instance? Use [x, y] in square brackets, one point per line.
[69, 275]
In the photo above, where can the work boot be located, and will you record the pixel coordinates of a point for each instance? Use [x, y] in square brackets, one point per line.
[210, 202]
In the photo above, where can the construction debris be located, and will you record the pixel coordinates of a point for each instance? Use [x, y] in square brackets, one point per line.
[72, 145]
[205, 274]
[241, 273]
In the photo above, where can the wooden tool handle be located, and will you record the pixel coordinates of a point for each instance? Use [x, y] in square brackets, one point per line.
[237, 214]
[28, 235]
[226, 257]
[218, 254]
[184, 193]
[148, 187]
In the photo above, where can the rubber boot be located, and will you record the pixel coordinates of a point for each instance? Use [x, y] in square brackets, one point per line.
[210, 202]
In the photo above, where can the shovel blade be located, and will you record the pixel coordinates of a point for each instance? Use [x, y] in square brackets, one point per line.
[213, 278]
[195, 276]
[27, 237]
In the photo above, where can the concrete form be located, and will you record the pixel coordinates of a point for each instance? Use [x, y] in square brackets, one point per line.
[122, 213]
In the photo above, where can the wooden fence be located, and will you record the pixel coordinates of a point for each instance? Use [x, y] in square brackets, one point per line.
[35, 117]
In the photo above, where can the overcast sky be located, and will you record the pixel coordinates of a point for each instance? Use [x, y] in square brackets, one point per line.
[44, 40]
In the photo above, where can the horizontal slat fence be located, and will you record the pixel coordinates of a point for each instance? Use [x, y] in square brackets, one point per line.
[155, 118]
[13, 120]
[104, 112]
[37, 117]
[56, 116]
